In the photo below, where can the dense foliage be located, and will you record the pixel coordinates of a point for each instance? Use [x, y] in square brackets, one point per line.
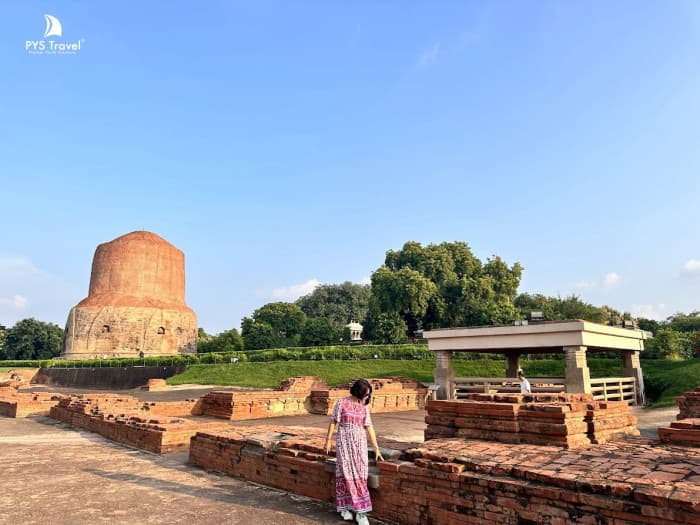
[32, 339]
[228, 341]
[678, 337]
[440, 285]
[337, 303]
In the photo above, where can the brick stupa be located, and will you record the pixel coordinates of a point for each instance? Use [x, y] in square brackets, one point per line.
[136, 303]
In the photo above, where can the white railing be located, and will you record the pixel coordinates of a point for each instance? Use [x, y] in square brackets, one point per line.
[614, 389]
[504, 385]
[603, 389]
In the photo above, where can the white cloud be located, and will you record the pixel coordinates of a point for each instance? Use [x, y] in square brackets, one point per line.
[17, 265]
[17, 302]
[429, 56]
[611, 279]
[657, 312]
[365, 280]
[293, 292]
[691, 268]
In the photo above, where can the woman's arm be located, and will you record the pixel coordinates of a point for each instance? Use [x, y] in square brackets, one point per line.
[373, 440]
[331, 429]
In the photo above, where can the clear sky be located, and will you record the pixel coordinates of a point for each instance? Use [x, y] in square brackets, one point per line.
[280, 144]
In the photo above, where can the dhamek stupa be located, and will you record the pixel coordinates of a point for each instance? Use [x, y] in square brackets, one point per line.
[136, 303]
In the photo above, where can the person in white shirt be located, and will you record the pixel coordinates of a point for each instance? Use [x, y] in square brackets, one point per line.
[524, 383]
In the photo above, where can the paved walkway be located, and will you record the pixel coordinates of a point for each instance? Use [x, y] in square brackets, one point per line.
[52, 474]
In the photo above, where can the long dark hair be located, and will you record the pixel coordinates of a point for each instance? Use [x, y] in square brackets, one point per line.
[360, 389]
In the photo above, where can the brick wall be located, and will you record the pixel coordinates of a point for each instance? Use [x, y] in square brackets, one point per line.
[568, 420]
[686, 429]
[309, 395]
[459, 481]
[125, 420]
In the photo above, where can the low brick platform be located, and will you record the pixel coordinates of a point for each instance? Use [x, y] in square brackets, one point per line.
[689, 405]
[463, 481]
[125, 420]
[288, 458]
[309, 395]
[253, 405]
[391, 394]
[683, 431]
[568, 420]
[686, 429]
[24, 404]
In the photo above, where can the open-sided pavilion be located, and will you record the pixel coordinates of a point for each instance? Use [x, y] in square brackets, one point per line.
[574, 338]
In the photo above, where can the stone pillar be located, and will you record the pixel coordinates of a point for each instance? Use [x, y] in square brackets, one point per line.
[512, 364]
[444, 376]
[631, 367]
[578, 376]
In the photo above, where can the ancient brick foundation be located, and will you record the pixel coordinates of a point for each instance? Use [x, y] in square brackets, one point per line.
[155, 427]
[689, 405]
[391, 394]
[288, 458]
[686, 430]
[460, 481]
[309, 395]
[25, 404]
[568, 420]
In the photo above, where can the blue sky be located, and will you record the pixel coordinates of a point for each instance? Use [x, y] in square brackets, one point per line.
[280, 144]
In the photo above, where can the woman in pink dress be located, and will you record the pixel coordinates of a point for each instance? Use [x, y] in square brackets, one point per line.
[354, 423]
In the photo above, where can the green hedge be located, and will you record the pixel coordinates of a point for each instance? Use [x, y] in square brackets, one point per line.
[20, 363]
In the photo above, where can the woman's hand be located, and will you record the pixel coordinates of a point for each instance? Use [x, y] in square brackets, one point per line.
[328, 447]
[379, 455]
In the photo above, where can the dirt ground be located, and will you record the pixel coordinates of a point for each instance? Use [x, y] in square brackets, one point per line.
[53, 474]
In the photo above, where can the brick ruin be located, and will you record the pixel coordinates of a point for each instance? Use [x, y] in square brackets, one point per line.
[686, 428]
[467, 481]
[491, 459]
[162, 427]
[309, 395]
[14, 403]
[569, 420]
[25, 404]
[136, 302]
[155, 427]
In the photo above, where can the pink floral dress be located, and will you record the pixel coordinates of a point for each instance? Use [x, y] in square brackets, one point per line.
[352, 464]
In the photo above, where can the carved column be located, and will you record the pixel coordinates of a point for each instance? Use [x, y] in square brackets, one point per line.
[444, 375]
[578, 376]
[631, 367]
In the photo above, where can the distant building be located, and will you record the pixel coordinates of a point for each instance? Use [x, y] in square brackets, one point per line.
[355, 330]
[136, 303]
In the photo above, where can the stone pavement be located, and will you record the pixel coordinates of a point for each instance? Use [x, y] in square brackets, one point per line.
[52, 474]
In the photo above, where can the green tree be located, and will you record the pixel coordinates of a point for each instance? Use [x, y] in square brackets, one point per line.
[558, 308]
[3, 333]
[257, 335]
[442, 285]
[32, 339]
[684, 322]
[274, 325]
[650, 325]
[670, 344]
[339, 303]
[318, 331]
[228, 341]
[389, 328]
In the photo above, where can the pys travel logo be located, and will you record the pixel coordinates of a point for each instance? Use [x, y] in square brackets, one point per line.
[51, 46]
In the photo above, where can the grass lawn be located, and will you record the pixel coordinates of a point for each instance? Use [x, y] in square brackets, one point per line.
[665, 379]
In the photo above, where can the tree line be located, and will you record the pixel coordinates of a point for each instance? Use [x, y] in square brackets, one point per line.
[417, 288]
